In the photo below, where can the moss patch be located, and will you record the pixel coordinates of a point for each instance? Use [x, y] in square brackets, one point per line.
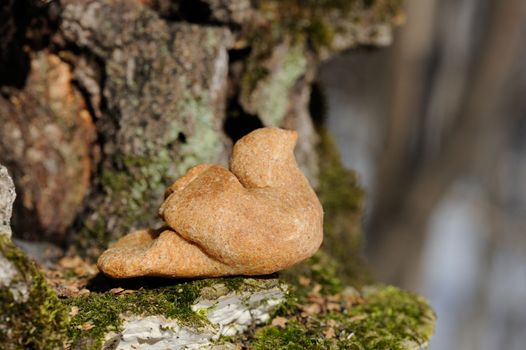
[306, 20]
[320, 269]
[390, 319]
[39, 322]
[162, 115]
[318, 22]
[294, 336]
[379, 318]
[102, 312]
[342, 201]
[288, 37]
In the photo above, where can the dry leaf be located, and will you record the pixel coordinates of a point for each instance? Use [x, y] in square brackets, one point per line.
[311, 309]
[316, 289]
[329, 333]
[86, 326]
[74, 311]
[334, 298]
[117, 290]
[86, 269]
[84, 292]
[78, 265]
[69, 262]
[316, 299]
[332, 323]
[127, 291]
[279, 322]
[333, 307]
[304, 281]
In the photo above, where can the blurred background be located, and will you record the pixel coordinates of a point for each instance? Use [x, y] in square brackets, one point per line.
[435, 127]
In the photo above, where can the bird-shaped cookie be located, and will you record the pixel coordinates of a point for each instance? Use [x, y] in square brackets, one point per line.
[259, 217]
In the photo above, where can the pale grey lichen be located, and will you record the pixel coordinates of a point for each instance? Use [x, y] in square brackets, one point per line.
[224, 312]
[235, 312]
[269, 98]
[164, 105]
[158, 332]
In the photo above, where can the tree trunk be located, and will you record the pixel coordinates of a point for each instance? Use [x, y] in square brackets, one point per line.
[104, 103]
[122, 97]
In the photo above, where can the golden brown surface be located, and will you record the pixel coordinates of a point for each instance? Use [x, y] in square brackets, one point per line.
[259, 217]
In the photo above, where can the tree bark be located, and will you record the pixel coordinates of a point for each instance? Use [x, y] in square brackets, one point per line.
[122, 97]
[119, 98]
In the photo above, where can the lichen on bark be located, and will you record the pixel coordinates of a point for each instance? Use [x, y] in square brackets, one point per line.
[159, 82]
[175, 75]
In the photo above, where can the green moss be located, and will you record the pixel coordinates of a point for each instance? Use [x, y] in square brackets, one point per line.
[104, 310]
[320, 33]
[339, 188]
[321, 269]
[233, 283]
[389, 319]
[341, 198]
[134, 185]
[307, 30]
[385, 10]
[386, 318]
[37, 323]
[295, 336]
[308, 19]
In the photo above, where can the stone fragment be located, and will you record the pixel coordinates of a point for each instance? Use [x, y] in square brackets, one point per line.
[7, 197]
[259, 217]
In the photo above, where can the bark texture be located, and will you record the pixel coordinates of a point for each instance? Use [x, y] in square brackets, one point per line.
[108, 102]
[47, 138]
[122, 97]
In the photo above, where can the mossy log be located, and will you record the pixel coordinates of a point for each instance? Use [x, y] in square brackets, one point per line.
[307, 307]
[258, 313]
[115, 100]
